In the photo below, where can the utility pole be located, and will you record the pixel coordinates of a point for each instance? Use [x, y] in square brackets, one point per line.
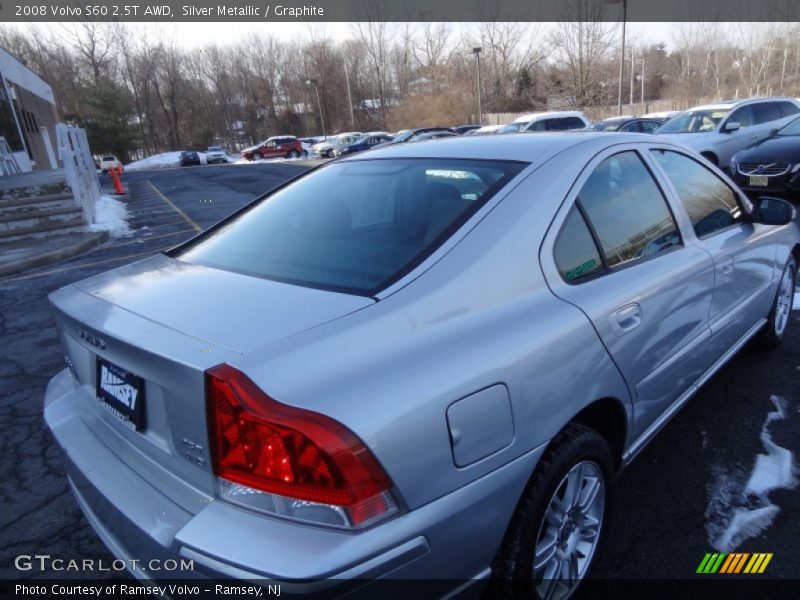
[622, 52]
[349, 96]
[477, 52]
[319, 104]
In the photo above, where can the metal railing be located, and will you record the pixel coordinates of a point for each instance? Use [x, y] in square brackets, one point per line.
[8, 164]
[79, 166]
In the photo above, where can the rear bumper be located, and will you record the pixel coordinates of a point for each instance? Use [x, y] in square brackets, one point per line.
[453, 538]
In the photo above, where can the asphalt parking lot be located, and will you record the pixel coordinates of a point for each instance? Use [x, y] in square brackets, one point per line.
[682, 490]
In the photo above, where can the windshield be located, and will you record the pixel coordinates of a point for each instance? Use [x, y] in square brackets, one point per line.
[402, 137]
[792, 128]
[352, 227]
[694, 121]
[513, 127]
[214, 149]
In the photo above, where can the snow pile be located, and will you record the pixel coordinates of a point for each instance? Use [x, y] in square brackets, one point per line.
[165, 160]
[112, 216]
[737, 510]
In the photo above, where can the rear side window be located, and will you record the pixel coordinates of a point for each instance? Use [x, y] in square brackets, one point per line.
[575, 252]
[788, 109]
[574, 123]
[353, 227]
[764, 112]
[626, 209]
[711, 204]
[743, 116]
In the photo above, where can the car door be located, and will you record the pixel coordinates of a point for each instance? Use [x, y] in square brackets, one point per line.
[730, 142]
[270, 149]
[616, 252]
[742, 252]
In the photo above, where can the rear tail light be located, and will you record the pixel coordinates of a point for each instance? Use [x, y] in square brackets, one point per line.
[289, 461]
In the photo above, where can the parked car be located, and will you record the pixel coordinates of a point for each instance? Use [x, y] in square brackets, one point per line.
[189, 157]
[666, 115]
[110, 162]
[627, 125]
[486, 130]
[398, 361]
[718, 131]
[548, 121]
[408, 134]
[432, 135]
[286, 146]
[462, 129]
[365, 143]
[216, 154]
[329, 146]
[771, 166]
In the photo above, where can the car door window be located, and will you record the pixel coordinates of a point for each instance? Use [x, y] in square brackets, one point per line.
[537, 126]
[555, 125]
[633, 126]
[574, 123]
[627, 211]
[743, 116]
[649, 126]
[575, 252]
[711, 204]
[764, 112]
[788, 109]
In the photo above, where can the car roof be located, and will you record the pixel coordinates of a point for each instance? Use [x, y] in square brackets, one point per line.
[526, 147]
[733, 103]
[547, 115]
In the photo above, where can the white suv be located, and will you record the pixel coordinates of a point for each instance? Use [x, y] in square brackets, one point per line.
[718, 131]
[548, 121]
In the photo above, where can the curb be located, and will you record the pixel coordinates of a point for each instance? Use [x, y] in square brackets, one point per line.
[48, 258]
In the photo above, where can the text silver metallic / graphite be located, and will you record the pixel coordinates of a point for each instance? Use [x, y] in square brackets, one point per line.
[251, 10]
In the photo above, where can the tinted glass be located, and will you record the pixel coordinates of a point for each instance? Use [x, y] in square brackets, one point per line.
[538, 126]
[765, 112]
[574, 123]
[555, 124]
[633, 126]
[650, 126]
[743, 116]
[355, 226]
[711, 204]
[627, 210]
[788, 109]
[575, 253]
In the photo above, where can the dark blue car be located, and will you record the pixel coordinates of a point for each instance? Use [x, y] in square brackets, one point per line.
[365, 143]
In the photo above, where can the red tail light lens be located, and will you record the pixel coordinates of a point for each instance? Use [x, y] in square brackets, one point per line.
[292, 453]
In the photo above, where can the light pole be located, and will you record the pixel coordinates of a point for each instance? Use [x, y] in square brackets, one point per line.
[349, 96]
[633, 65]
[477, 52]
[319, 104]
[622, 51]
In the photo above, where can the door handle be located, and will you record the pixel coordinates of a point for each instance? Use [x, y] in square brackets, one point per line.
[626, 319]
[726, 265]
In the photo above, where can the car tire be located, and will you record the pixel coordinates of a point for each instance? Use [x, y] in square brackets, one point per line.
[292, 154]
[772, 334]
[710, 157]
[536, 524]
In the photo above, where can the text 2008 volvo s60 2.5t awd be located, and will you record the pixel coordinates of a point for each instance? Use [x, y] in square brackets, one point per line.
[424, 362]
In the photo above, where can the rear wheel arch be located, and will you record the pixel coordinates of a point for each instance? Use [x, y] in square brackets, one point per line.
[608, 417]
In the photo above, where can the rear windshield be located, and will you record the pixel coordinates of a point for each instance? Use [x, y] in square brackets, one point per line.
[354, 227]
[109, 158]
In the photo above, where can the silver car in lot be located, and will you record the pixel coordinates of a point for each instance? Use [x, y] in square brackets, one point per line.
[427, 361]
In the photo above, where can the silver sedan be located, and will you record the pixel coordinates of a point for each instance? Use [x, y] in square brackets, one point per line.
[428, 361]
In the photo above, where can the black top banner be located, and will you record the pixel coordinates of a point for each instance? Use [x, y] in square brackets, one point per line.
[22, 11]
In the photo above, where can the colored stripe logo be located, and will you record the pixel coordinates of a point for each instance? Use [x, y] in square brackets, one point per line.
[734, 562]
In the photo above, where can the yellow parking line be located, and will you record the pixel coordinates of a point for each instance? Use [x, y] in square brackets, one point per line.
[186, 217]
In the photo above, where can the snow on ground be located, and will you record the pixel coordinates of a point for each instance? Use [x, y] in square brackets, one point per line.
[740, 508]
[165, 160]
[112, 216]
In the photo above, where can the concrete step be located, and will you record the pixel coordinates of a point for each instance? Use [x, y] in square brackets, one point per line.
[42, 230]
[49, 202]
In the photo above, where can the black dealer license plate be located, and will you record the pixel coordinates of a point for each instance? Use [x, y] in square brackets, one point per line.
[122, 392]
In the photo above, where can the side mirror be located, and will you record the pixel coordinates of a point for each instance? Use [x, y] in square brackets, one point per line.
[773, 211]
[731, 127]
[773, 132]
